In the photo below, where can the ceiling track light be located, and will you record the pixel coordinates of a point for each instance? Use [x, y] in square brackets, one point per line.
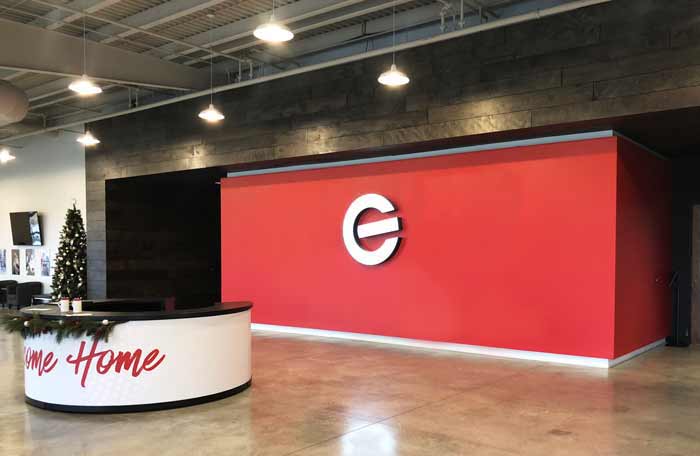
[211, 114]
[273, 31]
[84, 86]
[6, 156]
[393, 77]
[87, 139]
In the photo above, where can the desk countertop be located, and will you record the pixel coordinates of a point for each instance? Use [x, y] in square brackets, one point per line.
[135, 309]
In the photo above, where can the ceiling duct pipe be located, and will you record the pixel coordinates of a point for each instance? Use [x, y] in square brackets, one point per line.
[14, 104]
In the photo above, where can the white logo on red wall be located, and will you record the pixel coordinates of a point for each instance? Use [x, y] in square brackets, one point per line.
[353, 231]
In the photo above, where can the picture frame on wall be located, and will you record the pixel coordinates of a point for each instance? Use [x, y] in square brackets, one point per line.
[29, 262]
[15, 262]
[45, 263]
[3, 261]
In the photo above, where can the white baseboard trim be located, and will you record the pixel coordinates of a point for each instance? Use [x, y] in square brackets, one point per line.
[637, 352]
[462, 348]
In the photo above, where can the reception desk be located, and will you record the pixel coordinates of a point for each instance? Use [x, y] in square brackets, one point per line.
[152, 360]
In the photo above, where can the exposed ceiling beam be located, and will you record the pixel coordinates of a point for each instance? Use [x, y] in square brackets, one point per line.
[58, 17]
[479, 7]
[27, 125]
[39, 50]
[305, 26]
[136, 29]
[7, 75]
[62, 99]
[287, 14]
[152, 17]
[49, 89]
[347, 39]
[374, 27]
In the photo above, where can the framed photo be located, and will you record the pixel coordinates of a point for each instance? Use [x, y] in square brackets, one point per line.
[45, 263]
[29, 262]
[3, 261]
[15, 261]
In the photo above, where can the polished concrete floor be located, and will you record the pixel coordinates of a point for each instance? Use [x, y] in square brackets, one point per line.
[326, 397]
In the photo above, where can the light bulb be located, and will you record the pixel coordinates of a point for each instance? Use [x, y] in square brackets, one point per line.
[84, 87]
[88, 140]
[6, 156]
[273, 32]
[211, 114]
[393, 77]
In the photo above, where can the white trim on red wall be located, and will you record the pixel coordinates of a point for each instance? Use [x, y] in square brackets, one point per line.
[553, 358]
[433, 153]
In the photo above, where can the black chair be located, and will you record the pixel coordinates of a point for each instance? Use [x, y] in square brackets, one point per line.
[4, 285]
[20, 295]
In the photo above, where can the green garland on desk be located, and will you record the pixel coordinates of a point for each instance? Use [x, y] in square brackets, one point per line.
[69, 327]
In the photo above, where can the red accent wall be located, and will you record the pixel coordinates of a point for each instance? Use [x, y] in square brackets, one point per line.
[643, 249]
[511, 248]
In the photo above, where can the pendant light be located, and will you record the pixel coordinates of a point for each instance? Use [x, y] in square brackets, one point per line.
[393, 77]
[211, 114]
[6, 156]
[87, 139]
[273, 31]
[84, 86]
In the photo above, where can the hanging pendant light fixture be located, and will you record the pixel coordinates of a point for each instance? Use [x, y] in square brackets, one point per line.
[87, 139]
[84, 86]
[6, 156]
[211, 114]
[273, 31]
[393, 77]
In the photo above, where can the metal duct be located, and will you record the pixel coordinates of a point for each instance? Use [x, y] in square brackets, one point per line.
[14, 104]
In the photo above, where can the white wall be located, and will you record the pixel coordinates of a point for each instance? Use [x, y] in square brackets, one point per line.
[48, 173]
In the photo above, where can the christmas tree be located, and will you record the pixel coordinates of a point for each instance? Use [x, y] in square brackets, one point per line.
[70, 271]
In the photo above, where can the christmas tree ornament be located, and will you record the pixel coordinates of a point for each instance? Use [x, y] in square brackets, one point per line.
[26, 324]
[105, 322]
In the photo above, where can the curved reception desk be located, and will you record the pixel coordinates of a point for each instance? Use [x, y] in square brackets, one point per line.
[152, 359]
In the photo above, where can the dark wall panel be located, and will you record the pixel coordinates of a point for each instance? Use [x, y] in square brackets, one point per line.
[163, 236]
[686, 194]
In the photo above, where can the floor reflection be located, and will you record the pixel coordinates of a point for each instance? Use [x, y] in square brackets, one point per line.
[324, 397]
